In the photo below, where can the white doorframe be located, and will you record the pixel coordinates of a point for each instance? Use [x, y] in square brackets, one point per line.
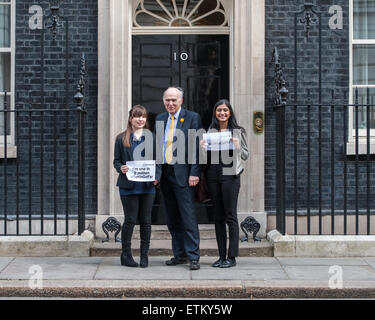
[247, 43]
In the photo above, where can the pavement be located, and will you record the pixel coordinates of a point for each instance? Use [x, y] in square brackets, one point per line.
[252, 278]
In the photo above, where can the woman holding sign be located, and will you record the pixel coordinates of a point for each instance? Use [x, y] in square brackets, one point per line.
[226, 148]
[137, 180]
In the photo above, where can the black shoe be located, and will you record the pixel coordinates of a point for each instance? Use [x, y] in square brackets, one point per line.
[175, 261]
[145, 233]
[218, 263]
[126, 255]
[144, 261]
[194, 265]
[128, 261]
[230, 262]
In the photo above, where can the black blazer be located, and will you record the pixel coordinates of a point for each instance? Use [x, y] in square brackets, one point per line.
[123, 154]
[191, 120]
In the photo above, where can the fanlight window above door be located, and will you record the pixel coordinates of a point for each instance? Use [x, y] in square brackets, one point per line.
[180, 13]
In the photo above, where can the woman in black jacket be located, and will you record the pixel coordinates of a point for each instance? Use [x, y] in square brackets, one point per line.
[137, 197]
[224, 168]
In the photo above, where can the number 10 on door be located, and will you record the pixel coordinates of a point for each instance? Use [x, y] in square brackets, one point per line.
[183, 56]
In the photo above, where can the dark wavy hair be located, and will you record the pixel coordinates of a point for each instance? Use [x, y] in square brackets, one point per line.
[136, 111]
[232, 121]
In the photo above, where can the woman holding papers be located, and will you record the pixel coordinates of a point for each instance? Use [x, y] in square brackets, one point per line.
[226, 148]
[132, 148]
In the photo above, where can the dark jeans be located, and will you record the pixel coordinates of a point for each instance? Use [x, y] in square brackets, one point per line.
[224, 191]
[180, 214]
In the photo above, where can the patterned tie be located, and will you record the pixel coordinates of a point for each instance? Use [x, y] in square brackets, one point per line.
[168, 150]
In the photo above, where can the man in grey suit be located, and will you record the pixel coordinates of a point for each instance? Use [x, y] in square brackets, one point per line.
[179, 179]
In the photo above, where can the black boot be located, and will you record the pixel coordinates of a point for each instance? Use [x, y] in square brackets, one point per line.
[145, 233]
[126, 236]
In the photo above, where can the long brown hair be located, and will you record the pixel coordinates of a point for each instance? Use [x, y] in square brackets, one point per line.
[136, 111]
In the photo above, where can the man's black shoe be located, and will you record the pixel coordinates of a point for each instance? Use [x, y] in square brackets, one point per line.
[175, 261]
[230, 262]
[218, 263]
[194, 265]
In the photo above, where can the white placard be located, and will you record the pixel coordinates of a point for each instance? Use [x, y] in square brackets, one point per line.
[141, 171]
[218, 141]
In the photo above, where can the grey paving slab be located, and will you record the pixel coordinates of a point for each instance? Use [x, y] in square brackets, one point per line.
[52, 268]
[246, 262]
[4, 261]
[110, 268]
[370, 262]
[361, 273]
[239, 274]
[247, 269]
[323, 261]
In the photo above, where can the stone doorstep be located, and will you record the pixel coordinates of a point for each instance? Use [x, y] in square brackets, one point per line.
[181, 289]
[321, 245]
[208, 247]
[161, 244]
[47, 246]
[164, 234]
[85, 245]
[207, 231]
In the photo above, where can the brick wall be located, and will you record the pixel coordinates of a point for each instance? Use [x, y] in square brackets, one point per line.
[82, 38]
[82, 16]
[335, 76]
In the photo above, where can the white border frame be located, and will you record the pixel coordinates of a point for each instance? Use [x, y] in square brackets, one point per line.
[11, 137]
[362, 132]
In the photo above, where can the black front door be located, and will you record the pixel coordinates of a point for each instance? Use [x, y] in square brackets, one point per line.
[197, 63]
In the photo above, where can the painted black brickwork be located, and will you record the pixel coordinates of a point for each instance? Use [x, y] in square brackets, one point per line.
[82, 21]
[82, 17]
[335, 76]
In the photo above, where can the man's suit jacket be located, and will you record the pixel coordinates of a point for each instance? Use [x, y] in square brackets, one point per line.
[123, 154]
[186, 120]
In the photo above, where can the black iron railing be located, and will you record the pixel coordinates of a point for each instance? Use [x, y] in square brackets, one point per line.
[317, 173]
[42, 164]
[42, 176]
[325, 178]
